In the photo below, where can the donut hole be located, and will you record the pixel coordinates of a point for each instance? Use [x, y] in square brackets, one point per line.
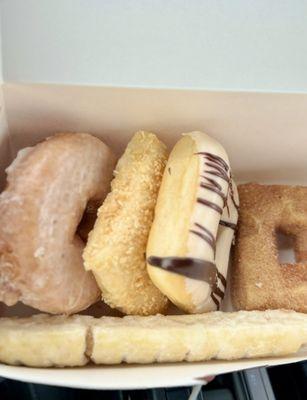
[285, 248]
[88, 220]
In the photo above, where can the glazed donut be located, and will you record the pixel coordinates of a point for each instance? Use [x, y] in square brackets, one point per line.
[48, 188]
[116, 248]
[195, 218]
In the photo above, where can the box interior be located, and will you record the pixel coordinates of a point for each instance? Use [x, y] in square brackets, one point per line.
[5, 147]
[260, 131]
[263, 133]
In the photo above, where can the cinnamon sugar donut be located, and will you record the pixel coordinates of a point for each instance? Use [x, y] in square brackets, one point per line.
[48, 188]
[195, 218]
[259, 280]
[115, 251]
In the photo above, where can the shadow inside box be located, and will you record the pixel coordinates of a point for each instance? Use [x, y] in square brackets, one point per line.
[18, 310]
[5, 155]
[96, 310]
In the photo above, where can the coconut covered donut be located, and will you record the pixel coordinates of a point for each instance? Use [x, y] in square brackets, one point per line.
[195, 219]
[48, 189]
[115, 251]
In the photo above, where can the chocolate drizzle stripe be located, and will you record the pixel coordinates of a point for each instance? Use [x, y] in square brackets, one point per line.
[214, 157]
[189, 267]
[205, 230]
[232, 196]
[227, 208]
[210, 204]
[213, 189]
[226, 177]
[193, 268]
[220, 170]
[205, 235]
[216, 301]
[228, 224]
[222, 279]
[219, 292]
[205, 238]
[213, 182]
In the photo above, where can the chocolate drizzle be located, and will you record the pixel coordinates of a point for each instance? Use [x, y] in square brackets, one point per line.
[228, 224]
[231, 192]
[218, 168]
[216, 159]
[214, 188]
[210, 204]
[216, 301]
[220, 173]
[193, 268]
[216, 291]
[214, 183]
[222, 279]
[205, 235]
[219, 292]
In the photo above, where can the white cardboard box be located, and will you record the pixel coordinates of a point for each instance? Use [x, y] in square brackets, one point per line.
[265, 134]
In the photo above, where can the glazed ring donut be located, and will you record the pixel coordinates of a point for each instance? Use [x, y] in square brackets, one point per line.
[195, 219]
[116, 248]
[48, 188]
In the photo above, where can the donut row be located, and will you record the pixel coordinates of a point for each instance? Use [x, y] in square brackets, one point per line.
[159, 232]
[163, 232]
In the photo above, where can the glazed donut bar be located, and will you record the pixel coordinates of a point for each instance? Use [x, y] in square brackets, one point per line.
[195, 219]
[260, 282]
[45, 341]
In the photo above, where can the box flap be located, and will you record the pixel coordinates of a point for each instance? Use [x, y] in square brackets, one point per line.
[190, 44]
[262, 132]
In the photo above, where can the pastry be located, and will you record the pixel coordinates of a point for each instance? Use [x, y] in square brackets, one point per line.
[44, 341]
[115, 251]
[48, 188]
[195, 219]
[259, 281]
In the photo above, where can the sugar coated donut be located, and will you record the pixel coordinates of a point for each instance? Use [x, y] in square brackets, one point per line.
[115, 251]
[48, 188]
[260, 281]
[195, 219]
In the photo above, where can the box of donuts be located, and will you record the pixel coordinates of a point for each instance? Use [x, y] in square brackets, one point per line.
[150, 238]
